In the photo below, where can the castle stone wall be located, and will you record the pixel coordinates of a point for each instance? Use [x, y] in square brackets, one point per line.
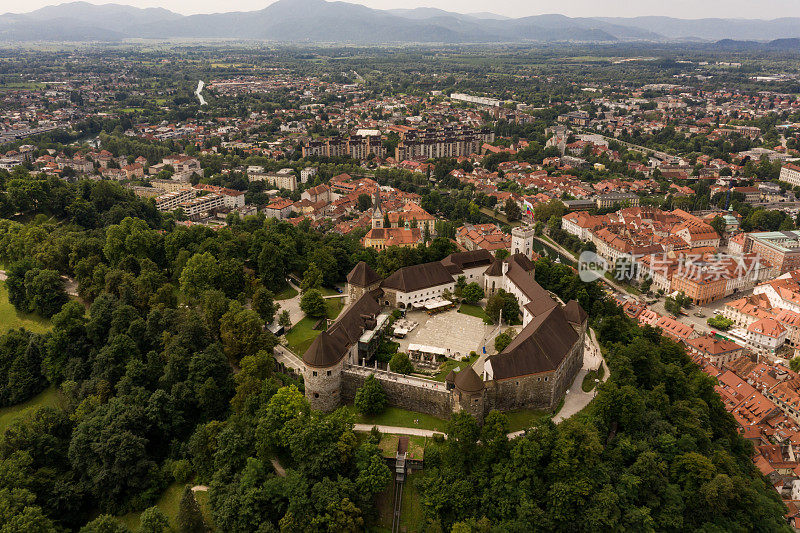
[432, 401]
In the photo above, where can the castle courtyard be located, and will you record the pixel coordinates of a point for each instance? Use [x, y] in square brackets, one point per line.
[457, 332]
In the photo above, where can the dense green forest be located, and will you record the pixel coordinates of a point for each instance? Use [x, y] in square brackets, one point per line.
[167, 376]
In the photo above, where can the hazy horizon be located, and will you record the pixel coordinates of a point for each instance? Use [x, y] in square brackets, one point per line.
[686, 9]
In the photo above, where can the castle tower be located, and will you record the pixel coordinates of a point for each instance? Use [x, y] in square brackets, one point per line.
[468, 393]
[360, 280]
[322, 373]
[522, 240]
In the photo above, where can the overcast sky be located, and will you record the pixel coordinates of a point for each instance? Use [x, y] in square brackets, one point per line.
[764, 9]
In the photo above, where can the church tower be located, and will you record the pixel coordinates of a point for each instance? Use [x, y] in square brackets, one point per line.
[377, 212]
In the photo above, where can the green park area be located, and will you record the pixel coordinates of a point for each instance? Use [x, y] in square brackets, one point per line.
[47, 398]
[10, 318]
[589, 379]
[523, 418]
[416, 446]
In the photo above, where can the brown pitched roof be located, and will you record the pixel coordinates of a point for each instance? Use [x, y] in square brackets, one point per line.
[539, 347]
[540, 300]
[523, 261]
[574, 312]
[472, 259]
[331, 346]
[495, 269]
[418, 277]
[468, 381]
[362, 275]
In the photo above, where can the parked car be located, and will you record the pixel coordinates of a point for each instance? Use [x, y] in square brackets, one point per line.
[699, 315]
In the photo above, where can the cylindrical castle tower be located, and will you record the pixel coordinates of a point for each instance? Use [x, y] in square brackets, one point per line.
[322, 373]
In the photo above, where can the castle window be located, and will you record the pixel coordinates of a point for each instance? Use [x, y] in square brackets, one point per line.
[329, 372]
[314, 373]
[316, 395]
[545, 379]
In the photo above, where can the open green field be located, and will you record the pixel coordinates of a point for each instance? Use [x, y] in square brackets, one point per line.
[47, 398]
[10, 318]
[17, 85]
[394, 416]
[335, 306]
[168, 503]
[523, 418]
[476, 311]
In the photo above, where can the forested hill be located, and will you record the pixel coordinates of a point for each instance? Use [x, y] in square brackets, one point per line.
[150, 397]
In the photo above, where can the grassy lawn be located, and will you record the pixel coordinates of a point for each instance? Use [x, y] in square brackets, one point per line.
[301, 335]
[205, 506]
[412, 517]
[10, 318]
[286, 294]
[411, 512]
[416, 446]
[47, 398]
[335, 306]
[451, 364]
[394, 416]
[523, 418]
[327, 291]
[588, 380]
[168, 503]
[476, 311]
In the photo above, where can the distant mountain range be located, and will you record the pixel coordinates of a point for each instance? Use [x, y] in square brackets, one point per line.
[342, 22]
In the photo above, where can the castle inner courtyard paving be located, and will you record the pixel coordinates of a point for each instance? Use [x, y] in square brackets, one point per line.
[451, 330]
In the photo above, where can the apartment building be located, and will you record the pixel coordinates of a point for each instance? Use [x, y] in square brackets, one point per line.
[445, 142]
[284, 178]
[202, 204]
[172, 200]
[790, 173]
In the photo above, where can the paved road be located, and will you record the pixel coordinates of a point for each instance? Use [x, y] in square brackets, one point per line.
[292, 305]
[289, 360]
[616, 286]
[70, 285]
[395, 430]
[575, 399]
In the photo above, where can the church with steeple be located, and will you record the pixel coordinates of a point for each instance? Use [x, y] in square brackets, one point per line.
[382, 235]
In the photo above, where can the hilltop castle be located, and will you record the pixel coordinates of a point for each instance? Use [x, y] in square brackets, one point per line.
[533, 372]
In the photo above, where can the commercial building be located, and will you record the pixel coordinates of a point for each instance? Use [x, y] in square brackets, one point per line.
[779, 248]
